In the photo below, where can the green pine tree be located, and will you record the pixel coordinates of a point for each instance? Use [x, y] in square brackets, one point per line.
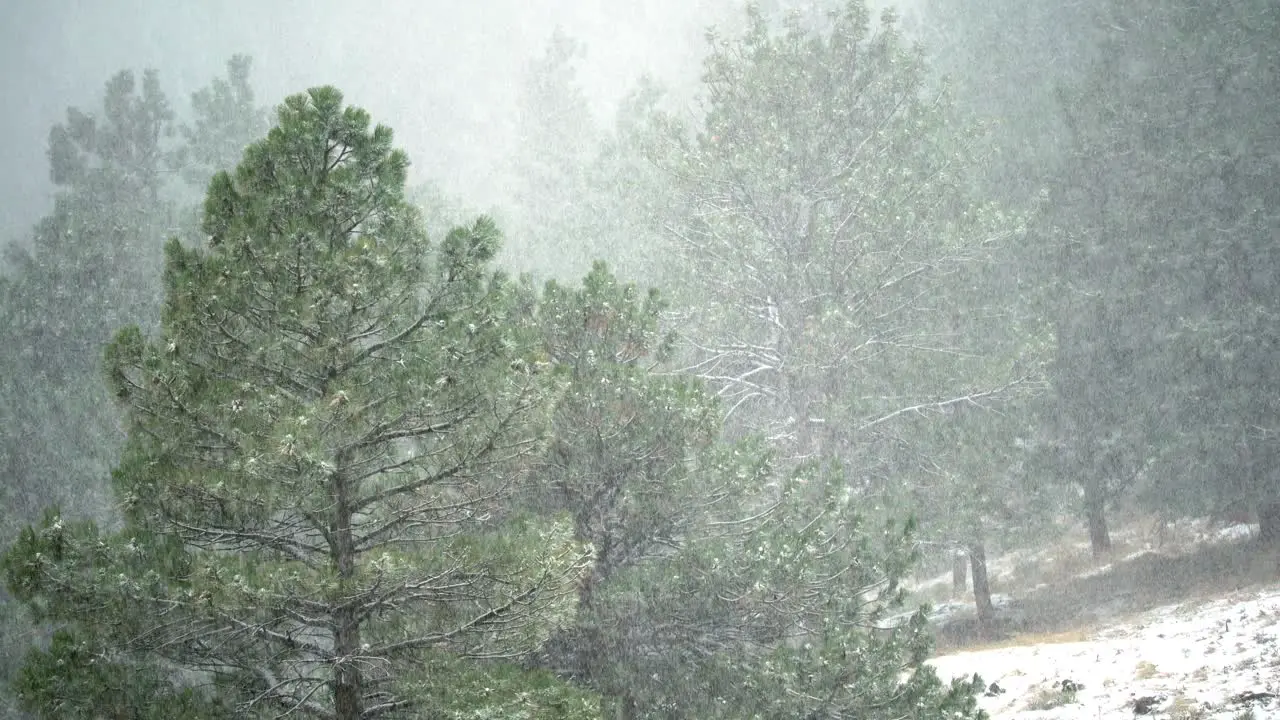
[703, 577]
[633, 462]
[319, 440]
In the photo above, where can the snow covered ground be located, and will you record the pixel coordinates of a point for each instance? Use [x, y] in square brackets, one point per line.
[1215, 660]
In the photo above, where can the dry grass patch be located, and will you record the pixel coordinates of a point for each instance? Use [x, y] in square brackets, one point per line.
[1146, 670]
[1048, 698]
[1184, 708]
[1128, 587]
[1028, 640]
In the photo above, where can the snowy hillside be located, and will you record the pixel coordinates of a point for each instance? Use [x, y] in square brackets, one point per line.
[1215, 660]
[1198, 655]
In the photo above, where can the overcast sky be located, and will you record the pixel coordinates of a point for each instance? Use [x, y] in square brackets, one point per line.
[441, 73]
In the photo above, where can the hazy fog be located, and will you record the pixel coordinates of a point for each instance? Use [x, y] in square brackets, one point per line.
[988, 323]
[442, 74]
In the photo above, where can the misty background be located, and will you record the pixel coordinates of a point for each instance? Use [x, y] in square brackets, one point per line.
[444, 75]
[965, 302]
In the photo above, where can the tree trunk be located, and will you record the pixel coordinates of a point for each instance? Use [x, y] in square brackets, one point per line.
[1269, 523]
[1096, 512]
[959, 572]
[626, 709]
[981, 585]
[348, 679]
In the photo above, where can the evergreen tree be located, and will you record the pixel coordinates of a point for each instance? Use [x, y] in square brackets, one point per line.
[1198, 114]
[92, 266]
[551, 200]
[852, 286]
[825, 199]
[632, 461]
[226, 118]
[703, 583]
[793, 609]
[89, 268]
[1055, 153]
[318, 443]
[1151, 126]
[581, 191]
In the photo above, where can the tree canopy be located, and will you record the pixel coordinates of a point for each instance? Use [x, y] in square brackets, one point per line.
[319, 439]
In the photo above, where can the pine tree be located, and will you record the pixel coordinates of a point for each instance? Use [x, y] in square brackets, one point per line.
[1199, 122]
[1151, 127]
[825, 199]
[226, 118]
[318, 443]
[634, 462]
[580, 190]
[849, 278]
[702, 580]
[793, 609]
[90, 267]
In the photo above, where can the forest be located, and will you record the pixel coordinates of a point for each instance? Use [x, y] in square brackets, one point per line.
[291, 429]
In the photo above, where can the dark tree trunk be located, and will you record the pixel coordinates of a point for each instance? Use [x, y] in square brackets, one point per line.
[1269, 523]
[348, 679]
[626, 709]
[981, 585]
[348, 683]
[1096, 512]
[959, 572]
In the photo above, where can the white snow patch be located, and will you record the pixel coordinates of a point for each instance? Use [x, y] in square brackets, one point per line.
[1202, 655]
[1234, 533]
